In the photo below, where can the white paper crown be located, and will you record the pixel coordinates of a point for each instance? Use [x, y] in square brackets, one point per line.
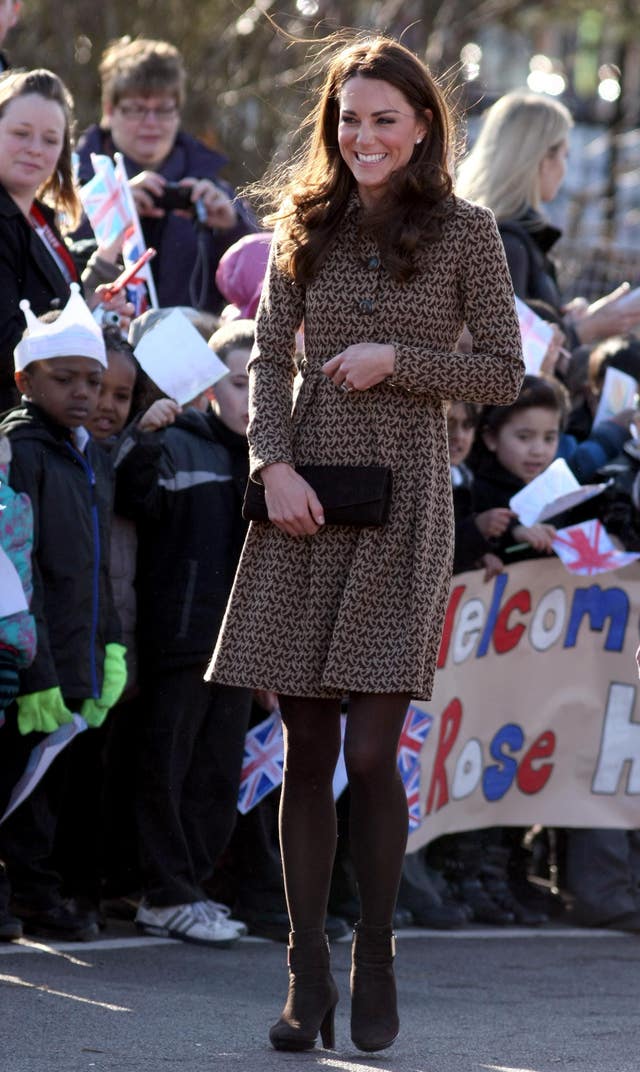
[75, 333]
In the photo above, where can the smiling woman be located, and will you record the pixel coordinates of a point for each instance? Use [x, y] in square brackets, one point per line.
[36, 187]
[383, 265]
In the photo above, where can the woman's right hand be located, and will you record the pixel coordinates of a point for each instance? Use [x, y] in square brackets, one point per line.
[292, 504]
[144, 187]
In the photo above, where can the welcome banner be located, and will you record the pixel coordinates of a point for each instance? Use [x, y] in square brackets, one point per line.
[534, 714]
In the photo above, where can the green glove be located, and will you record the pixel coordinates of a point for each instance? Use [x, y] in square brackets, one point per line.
[42, 711]
[114, 679]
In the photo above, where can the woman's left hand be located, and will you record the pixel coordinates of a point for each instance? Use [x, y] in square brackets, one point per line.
[361, 366]
[218, 206]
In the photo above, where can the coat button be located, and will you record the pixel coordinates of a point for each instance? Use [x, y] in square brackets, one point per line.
[373, 262]
[366, 305]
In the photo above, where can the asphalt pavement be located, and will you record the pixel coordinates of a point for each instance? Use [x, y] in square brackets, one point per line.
[477, 1000]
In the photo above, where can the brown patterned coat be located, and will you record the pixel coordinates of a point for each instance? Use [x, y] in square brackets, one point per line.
[362, 609]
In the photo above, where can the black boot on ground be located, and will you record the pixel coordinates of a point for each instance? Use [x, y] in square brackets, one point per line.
[483, 908]
[374, 1003]
[419, 894]
[312, 997]
[63, 921]
[496, 881]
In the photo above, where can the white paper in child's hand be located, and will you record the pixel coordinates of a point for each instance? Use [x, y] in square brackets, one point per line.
[551, 493]
[619, 392]
[176, 357]
[536, 336]
[12, 597]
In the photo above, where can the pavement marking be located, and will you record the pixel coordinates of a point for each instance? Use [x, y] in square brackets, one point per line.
[105, 945]
[506, 1068]
[15, 980]
[351, 1066]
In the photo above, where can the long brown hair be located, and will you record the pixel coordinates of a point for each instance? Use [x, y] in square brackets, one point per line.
[59, 189]
[315, 189]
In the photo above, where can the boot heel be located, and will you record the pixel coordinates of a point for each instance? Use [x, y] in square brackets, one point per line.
[327, 1029]
[312, 996]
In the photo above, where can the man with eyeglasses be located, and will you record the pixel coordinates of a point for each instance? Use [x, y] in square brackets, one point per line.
[143, 91]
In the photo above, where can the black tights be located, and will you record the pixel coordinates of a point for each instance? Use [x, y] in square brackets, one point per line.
[378, 806]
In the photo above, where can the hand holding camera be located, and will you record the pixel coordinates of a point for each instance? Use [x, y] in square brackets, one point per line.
[155, 196]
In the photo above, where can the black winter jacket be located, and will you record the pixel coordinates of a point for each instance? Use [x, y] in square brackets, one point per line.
[469, 544]
[27, 270]
[527, 243]
[71, 495]
[184, 487]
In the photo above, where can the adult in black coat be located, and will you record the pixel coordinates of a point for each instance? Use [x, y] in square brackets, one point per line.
[143, 89]
[35, 164]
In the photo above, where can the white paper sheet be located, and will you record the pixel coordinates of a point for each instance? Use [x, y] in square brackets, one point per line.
[536, 335]
[551, 493]
[619, 392]
[176, 357]
[41, 758]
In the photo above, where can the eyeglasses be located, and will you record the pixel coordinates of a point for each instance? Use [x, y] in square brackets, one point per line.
[164, 113]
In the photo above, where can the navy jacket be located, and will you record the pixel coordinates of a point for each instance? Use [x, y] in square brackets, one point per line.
[27, 270]
[469, 544]
[184, 487]
[175, 237]
[71, 495]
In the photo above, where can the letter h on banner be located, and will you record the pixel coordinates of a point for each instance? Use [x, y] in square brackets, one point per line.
[620, 743]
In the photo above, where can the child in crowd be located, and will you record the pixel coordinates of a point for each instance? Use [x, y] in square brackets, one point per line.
[103, 764]
[181, 475]
[17, 626]
[517, 443]
[79, 664]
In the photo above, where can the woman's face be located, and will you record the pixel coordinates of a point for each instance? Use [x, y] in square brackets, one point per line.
[32, 132]
[377, 132]
[552, 170]
[144, 128]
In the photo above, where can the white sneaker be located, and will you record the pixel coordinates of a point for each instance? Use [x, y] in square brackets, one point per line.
[217, 911]
[189, 922]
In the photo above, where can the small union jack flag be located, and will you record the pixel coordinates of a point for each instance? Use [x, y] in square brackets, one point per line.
[412, 789]
[105, 202]
[141, 289]
[414, 733]
[588, 549]
[262, 763]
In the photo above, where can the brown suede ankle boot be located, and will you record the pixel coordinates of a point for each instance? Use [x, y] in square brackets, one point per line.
[374, 1009]
[312, 997]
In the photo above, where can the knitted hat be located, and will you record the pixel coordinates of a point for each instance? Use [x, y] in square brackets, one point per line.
[74, 333]
[240, 274]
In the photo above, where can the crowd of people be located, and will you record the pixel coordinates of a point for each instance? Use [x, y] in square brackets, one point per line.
[388, 298]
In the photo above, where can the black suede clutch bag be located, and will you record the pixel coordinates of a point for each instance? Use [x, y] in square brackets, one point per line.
[350, 494]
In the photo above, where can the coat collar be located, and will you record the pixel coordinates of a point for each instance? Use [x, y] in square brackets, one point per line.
[42, 259]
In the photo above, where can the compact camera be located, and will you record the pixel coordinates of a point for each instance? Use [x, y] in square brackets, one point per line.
[174, 197]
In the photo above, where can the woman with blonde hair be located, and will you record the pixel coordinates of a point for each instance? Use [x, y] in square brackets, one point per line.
[516, 166]
[384, 266]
